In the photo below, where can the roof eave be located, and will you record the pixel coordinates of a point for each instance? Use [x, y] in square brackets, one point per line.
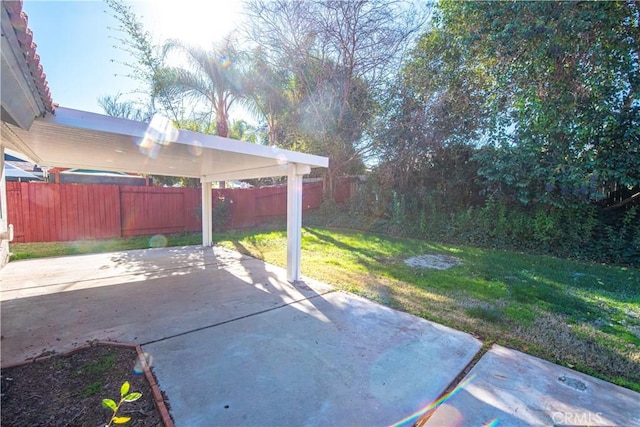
[25, 92]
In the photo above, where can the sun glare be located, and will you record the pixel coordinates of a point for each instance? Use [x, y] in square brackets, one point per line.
[192, 21]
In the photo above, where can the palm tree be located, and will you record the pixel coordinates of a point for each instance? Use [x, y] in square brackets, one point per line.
[270, 97]
[212, 77]
[116, 107]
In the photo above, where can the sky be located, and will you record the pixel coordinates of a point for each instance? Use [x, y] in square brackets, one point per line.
[76, 47]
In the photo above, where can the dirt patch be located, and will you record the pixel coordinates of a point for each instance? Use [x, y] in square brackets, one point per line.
[68, 390]
[437, 262]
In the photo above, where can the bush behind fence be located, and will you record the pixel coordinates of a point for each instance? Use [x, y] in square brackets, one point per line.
[585, 232]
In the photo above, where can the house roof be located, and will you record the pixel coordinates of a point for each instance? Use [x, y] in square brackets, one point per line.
[19, 22]
[73, 138]
[12, 171]
[11, 158]
[22, 165]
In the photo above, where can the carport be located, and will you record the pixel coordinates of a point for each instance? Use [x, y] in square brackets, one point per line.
[80, 139]
[62, 137]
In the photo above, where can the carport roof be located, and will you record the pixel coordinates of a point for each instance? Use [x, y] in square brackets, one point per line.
[73, 138]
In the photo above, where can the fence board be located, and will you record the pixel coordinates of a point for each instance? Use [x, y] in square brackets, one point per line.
[75, 221]
[193, 209]
[60, 212]
[64, 218]
[157, 210]
[241, 205]
[271, 202]
[64, 212]
[343, 190]
[15, 210]
[84, 200]
[312, 196]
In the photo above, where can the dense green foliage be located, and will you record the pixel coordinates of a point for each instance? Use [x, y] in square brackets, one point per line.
[577, 232]
[551, 88]
[517, 124]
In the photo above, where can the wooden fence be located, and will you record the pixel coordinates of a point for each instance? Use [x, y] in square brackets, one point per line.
[64, 212]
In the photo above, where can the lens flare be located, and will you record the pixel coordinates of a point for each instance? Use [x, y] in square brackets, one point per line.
[225, 62]
[281, 158]
[158, 241]
[159, 133]
[196, 149]
[413, 418]
[142, 360]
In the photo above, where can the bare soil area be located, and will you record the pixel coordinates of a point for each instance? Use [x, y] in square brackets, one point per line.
[437, 262]
[68, 390]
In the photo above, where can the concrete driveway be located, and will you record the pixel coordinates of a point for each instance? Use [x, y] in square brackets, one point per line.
[234, 344]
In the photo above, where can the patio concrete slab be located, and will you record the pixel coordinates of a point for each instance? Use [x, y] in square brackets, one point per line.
[232, 341]
[61, 274]
[134, 296]
[333, 359]
[510, 388]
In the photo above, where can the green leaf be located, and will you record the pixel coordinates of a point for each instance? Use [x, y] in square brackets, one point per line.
[121, 420]
[124, 389]
[132, 397]
[109, 404]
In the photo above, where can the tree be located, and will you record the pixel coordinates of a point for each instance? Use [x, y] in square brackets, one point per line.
[243, 131]
[270, 94]
[114, 106]
[335, 59]
[552, 87]
[212, 77]
[133, 39]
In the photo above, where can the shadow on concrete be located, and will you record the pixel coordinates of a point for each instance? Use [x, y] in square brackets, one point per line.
[234, 343]
[153, 295]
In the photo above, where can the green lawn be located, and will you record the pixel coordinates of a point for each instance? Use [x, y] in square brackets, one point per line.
[584, 316]
[49, 249]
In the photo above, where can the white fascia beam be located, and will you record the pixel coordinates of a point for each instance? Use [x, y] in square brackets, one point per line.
[264, 172]
[12, 141]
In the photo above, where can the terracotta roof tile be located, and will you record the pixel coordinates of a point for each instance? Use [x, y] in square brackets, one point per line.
[20, 23]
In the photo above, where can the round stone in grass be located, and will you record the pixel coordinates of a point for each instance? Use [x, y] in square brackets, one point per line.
[437, 262]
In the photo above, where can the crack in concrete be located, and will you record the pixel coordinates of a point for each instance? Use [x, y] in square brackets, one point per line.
[236, 318]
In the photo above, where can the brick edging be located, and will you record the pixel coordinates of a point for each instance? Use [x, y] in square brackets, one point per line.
[155, 389]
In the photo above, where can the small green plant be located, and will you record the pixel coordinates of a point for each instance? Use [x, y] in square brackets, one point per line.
[125, 396]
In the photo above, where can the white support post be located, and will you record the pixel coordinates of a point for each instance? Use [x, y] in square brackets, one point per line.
[207, 214]
[294, 220]
[5, 228]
